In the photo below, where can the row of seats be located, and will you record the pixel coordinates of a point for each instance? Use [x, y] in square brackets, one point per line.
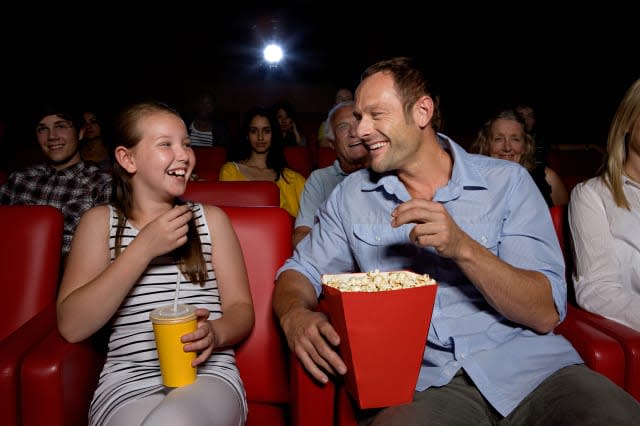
[46, 380]
[209, 160]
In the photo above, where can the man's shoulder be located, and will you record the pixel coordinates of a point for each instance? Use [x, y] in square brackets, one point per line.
[30, 171]
[322, 173]
[94, 173]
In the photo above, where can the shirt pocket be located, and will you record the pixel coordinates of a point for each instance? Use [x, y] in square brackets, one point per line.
[380, 246]
[485, 233]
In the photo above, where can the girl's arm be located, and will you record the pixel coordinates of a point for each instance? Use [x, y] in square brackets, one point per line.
[92, 287]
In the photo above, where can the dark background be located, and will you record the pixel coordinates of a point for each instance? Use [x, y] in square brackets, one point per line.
[573, 64]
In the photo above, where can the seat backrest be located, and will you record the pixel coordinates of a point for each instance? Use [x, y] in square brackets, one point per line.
[557, 216]
[299, 159]
[209, 160]
[234, 193]
[326, 156]
[29, 262]
[265, 237]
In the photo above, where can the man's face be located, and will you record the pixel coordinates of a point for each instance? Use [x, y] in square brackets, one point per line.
[349, 148]
[58, 139]
[382, 125]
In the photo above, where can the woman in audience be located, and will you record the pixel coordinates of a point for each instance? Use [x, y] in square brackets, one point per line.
[125, 260]
[260, 156]
[604, 218]
[93, 147]
[289, 125]
[504, 136]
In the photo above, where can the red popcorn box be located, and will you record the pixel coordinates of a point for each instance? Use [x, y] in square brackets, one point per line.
[383, 332]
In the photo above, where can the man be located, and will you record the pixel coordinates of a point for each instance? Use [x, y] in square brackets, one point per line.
[477, 225]
[351, 155]
[63, 181]
[205, 128]
[343, 94]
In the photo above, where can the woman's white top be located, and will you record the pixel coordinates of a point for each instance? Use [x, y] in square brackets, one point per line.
[606, 240]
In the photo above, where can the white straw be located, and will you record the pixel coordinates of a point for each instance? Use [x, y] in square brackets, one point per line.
[177, 295]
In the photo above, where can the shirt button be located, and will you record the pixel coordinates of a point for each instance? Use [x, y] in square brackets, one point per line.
[377, 238]
[483, 239]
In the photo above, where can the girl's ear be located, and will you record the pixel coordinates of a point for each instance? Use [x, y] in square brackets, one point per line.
[125, 159]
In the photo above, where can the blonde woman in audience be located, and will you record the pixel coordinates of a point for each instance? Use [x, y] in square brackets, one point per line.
[604, 218]
[260, 156]
[504, 136]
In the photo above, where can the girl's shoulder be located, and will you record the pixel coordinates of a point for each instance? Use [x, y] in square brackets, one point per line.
[292, 174]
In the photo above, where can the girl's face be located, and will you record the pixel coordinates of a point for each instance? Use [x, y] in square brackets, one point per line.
[91, 126]
[163, 159]
[283, 119]
[260, 134]
[507, 140]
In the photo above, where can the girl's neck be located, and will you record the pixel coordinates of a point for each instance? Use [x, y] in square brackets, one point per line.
[145, 211]
[258, 161]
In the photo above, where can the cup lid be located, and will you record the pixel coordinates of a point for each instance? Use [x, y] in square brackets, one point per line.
[167, 313]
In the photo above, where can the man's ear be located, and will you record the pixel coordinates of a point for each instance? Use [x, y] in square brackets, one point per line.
[423, 111]
[125, 159]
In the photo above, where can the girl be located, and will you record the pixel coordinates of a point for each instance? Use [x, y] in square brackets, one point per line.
[124, 261]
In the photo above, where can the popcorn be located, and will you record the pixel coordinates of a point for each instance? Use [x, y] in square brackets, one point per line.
[376, 281]
[375, 324]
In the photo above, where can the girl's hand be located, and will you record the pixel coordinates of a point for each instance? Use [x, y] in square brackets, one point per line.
[203, 340]
[167, 232]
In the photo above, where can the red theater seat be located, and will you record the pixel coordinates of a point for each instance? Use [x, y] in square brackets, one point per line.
[299, 159]
[326, 156]
[256, 193]
[209, 159]
[627, 338]
[29, 270]
[59, 377]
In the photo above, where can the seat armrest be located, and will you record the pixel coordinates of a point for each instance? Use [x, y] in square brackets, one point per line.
[58, 381]
[312, 402]
[600, 352]
[13, 349]
[627, 337]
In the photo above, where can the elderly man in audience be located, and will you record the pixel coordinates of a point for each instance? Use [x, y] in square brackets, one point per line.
[351, 155]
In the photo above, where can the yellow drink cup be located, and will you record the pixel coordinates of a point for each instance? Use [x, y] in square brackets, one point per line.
[168, 326]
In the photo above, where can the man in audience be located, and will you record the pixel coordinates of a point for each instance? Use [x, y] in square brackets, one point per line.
[478, 226]
[343, 94]
[64, 180]
[351, 155]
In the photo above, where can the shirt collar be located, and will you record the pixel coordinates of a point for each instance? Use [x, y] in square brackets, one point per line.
[69, 172]
[464, 176]
[337, 169]
[629, 181]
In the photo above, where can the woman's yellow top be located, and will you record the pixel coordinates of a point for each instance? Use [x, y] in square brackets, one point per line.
[290, 189]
